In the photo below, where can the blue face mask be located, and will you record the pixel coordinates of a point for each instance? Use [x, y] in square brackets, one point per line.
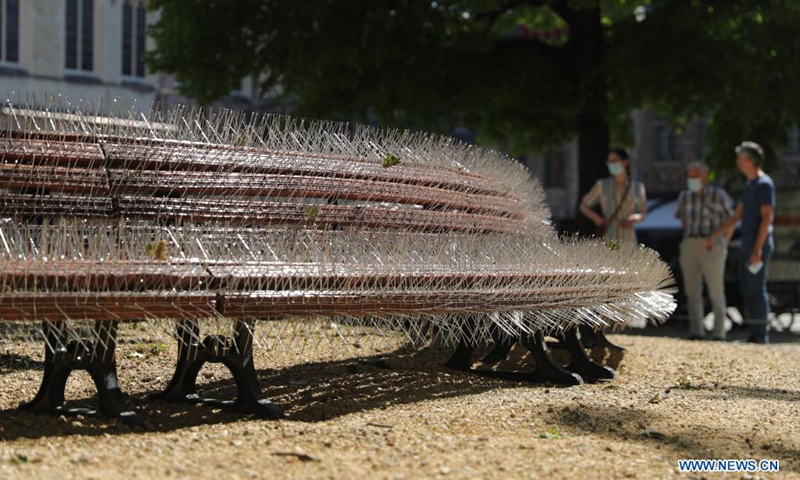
[615, 168]
[694, 184]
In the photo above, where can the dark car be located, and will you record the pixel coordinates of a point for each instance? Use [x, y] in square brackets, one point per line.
[662, 232]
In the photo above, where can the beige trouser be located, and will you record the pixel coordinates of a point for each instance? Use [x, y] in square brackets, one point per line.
[697, 264]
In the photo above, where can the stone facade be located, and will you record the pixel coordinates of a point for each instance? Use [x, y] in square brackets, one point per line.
[663, 154]
[42, 69]
[42, 66]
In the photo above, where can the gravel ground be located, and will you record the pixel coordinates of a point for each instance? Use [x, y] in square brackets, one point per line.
[385, 411]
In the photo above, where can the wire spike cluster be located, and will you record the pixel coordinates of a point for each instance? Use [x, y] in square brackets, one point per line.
[320, 231]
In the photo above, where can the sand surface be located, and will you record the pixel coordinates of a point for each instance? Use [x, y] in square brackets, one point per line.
[383, 411]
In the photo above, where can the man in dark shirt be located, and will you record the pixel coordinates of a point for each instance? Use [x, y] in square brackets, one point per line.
[756, 213]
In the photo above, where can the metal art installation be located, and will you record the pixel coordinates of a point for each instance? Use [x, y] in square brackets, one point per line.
[185, 218]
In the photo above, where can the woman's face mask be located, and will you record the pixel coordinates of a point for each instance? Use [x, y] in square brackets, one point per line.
[615, 168]
[694, 184]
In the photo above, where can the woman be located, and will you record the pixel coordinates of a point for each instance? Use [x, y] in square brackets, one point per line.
[622, 200]
[623, 204]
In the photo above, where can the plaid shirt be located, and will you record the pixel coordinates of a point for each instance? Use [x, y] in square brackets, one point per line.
[703, 212]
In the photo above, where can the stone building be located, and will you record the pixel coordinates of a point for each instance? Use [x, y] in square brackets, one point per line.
[663, 153]
[80, 49]
[84, 50]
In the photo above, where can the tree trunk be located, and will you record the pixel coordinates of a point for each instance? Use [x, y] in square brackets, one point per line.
[586, 46]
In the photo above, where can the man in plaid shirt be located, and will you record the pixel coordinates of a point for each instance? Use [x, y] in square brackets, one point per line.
[702, 208]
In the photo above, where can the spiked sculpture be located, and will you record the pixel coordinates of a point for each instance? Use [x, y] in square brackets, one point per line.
[184, 217]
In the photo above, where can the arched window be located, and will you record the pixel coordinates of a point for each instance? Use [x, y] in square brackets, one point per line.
[80, 35]
[134, 28]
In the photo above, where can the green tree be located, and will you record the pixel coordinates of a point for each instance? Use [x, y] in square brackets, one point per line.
[734, 61]
[524, 73]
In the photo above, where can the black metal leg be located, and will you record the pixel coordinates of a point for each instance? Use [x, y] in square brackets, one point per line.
[102, 366]
[462, 357]
[596, 337]
[502, 347]
[56, 371]
[602, 350]
[547, 370]
[51, 391]
[97, 358]
[236, 354]
[240, 363]
[498, 354]
[182, 386]
[462, 360]
[580, 362]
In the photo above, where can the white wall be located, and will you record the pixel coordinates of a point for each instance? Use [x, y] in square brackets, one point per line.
[41, 71]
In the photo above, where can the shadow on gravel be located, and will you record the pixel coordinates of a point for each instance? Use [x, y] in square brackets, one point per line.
[690, 442]
[309, 392]
[10, 362]
[680, 329]
[340, 388]
[755, 392]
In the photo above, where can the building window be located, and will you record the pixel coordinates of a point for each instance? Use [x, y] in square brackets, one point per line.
[9, 31]
[555, 167]
[134, 24]
[669, 143]
[80, 35]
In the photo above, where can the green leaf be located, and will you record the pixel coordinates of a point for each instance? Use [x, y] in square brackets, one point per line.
[18, 459]
[158, 250]
[142, 350]
[613, 244]
[552, 434]
[390, 161]
[685, 381]
[311, 213]
[657, 398]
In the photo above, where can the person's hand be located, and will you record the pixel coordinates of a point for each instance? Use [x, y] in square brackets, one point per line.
[630, 220]
[755, 257]
[599, 221]
[709, 243]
